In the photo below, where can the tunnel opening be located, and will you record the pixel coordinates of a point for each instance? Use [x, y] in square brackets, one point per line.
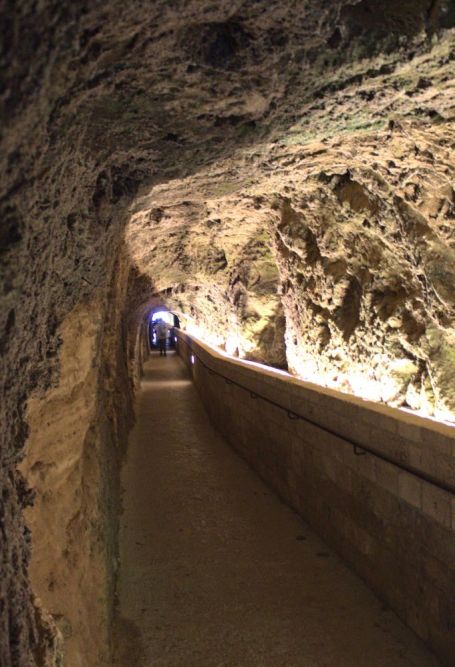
[172, 322]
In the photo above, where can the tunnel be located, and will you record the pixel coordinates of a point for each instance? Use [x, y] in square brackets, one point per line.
[277, 180]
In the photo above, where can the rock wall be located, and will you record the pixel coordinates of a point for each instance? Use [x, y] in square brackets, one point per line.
[77, 433]
[329, 249]
[62, 468]
[367, 259]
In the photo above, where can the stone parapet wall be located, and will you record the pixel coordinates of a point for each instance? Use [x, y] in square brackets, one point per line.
[390, 514]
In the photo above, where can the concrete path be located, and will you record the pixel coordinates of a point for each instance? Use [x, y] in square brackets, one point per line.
[216, 571]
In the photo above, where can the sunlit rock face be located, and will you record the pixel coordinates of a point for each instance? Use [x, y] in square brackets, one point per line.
[330, 248]
[285, 173]
[367, 258]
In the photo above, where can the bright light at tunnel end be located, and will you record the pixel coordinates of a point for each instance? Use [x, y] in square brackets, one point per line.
[163, 315]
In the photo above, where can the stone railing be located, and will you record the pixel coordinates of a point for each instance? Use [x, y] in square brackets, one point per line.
[376, 483]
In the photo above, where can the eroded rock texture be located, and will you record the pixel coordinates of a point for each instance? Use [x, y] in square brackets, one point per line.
[366, 250]
[355, 226]
[285, 173]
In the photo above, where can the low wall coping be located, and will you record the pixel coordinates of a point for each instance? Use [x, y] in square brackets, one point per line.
[417, 445]
[282, 376]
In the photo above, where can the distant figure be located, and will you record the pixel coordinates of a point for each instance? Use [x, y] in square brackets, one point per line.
[161, 336]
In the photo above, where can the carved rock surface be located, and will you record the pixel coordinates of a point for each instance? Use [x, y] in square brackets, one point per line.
[284, 173]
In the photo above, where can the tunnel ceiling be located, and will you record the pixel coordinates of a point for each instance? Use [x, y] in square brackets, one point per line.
[286, 170]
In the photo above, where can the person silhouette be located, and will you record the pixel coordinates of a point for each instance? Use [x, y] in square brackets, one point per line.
[161, 329]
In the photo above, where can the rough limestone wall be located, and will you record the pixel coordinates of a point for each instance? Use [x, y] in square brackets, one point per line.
[58, 243]
[363, 178]
[53, 313]
[62, 470]
[367, 258]
[77, 431]
[357, 199]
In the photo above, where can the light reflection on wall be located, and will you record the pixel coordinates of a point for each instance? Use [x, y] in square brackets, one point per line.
[380, 384]
[358, 380]
[229, 341]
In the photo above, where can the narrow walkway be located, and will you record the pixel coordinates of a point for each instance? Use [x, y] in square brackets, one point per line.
[216, 571]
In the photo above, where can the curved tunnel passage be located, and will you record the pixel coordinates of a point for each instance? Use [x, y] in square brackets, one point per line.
[280, 172]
